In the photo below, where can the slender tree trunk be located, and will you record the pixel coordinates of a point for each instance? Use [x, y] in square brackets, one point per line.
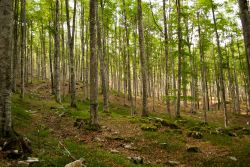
[166, 56]
[93, 64]
[202, 68]
[130, 97]
[144, 70]
[83, 48]
[71, 37]
[178, 5]
[15, 47]
[222, 86]
[57, 54]
[102, 64]
[23, 43]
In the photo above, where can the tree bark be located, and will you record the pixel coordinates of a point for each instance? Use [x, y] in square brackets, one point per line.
[144, 70]
[245, 20]
[57, 54]
[221, 78]
[93, 65]
[178, 5]
[6, 17]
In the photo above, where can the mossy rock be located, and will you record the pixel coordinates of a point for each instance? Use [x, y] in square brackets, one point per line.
[166, 123]
[226, 131]
[149, 127]
[195, 134]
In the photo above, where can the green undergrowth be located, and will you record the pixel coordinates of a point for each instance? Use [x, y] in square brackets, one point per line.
[159, 130]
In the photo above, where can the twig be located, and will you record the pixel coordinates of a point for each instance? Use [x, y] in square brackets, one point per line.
[68, 152]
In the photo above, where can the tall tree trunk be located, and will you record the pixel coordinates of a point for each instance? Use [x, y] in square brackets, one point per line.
[221, 78]
[15, 43]
[202, 68]
[71, 38]
[6, 18]
[100, 38]
[23, 43]
[245, 20]
[83, 48]
[144, 70]
[166, 56]
[57, 54]
[130, 97]
[178, 5]
[93, 64]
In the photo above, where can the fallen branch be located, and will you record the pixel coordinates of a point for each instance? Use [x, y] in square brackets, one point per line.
[67, 151]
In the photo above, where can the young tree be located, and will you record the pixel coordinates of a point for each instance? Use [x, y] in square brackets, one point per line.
[5, 67]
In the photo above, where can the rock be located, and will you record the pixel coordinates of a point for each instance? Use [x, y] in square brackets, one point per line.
[173, 163]
[232, 158]
[77, 163]
[97, 139]
[136, 160]
[195, 134]
[114, 151]
[31, 112]
[193, 149]
[166, 123]
[128, 146]
[32, 160]
[23, 164]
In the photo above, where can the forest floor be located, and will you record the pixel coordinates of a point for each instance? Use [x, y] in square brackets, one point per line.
[60, 134]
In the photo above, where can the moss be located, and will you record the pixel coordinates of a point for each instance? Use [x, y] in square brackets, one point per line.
[149, 127]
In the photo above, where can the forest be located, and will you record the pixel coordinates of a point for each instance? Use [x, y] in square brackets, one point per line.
[103, 83]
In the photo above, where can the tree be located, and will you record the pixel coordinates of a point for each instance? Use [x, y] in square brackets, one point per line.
[245, 20]
[221, 78]
[102, 63]
[5, 67]
[71, 39]
[23, 43]
[179, 31]
[166, 49]
[144, 70]
[57, 55]
[93, 64]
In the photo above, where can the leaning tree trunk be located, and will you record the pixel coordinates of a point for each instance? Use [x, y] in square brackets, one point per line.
[5, 67]
[245, 20]
[93, 64]
[144, 70]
